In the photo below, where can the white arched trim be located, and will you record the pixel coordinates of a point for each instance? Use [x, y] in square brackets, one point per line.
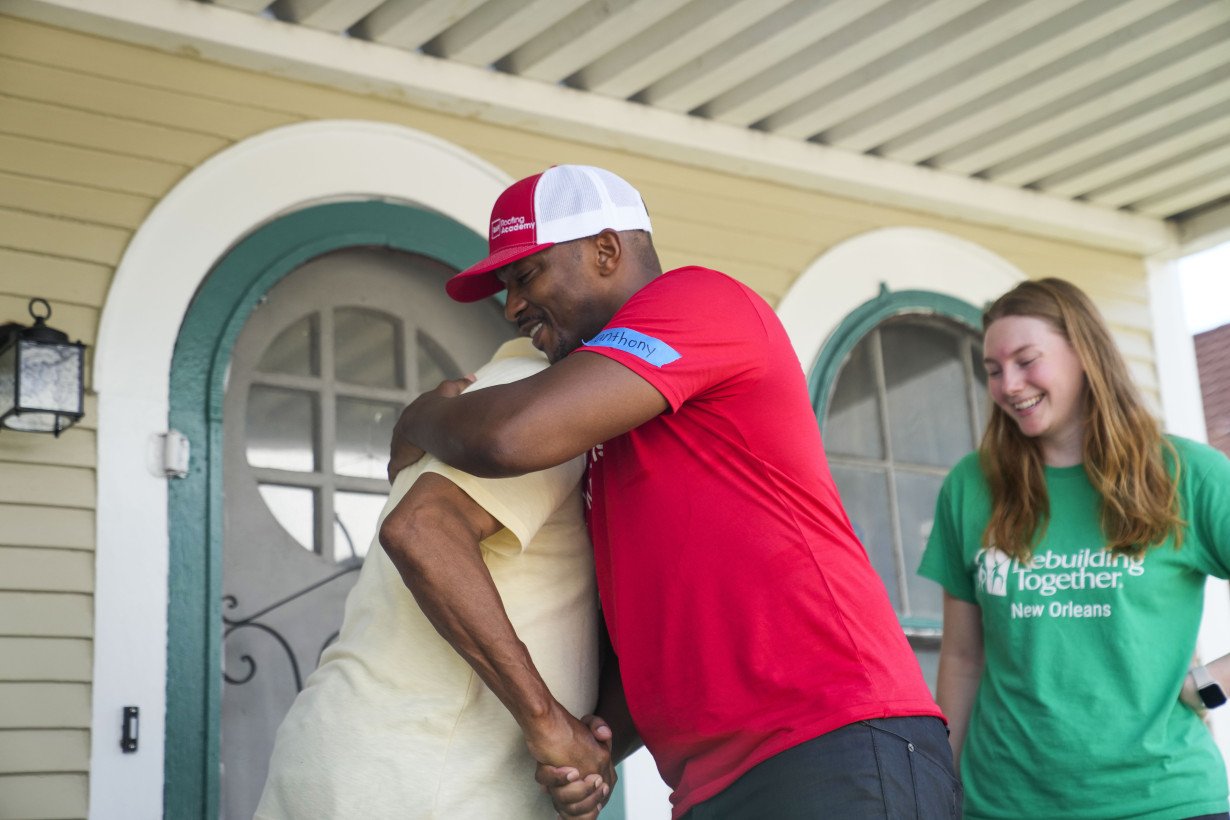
[851, 273]
[188, 232]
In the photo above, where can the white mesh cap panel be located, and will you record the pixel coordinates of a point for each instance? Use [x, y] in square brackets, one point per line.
[576, 201]
[564, 191]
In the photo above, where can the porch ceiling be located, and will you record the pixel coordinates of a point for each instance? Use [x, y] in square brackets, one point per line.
[1124, 104]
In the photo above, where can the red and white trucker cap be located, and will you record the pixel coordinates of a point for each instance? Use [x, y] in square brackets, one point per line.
[561, 204]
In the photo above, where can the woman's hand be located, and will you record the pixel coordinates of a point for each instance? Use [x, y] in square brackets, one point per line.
[1189, 696]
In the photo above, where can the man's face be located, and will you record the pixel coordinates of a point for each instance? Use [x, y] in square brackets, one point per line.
[554, 297]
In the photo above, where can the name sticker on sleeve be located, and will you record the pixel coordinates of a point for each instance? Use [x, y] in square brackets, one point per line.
[654, 351]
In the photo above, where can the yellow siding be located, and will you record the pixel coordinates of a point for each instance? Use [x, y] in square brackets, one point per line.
[45, 614]
[46, 570]
[93, 133]
[55, 279]
[44, 705]
[74, 448]
[36, 483]
[88, 205]
[86, 129]
[26, 525]
[23, 751]
[62, 660]
[27, 756]
[97, 169]
[86, 89]
[43, 796]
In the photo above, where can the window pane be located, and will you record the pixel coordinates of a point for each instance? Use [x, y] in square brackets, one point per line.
[365, 348]
[282, 428]
[434, 364]
[865, 496]
[364, 429]
[916, 494]
[354, 523]
[294, 351]
[295, 509]
[928, 411]
[853, 424]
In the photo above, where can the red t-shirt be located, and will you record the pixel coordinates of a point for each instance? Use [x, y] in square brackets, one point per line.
[745, 614]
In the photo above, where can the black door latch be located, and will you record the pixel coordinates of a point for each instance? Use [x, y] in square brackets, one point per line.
[128, 738]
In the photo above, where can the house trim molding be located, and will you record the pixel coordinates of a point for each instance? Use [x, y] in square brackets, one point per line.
[271, 46]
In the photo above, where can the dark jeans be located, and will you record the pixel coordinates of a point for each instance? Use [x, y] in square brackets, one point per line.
[892, 768]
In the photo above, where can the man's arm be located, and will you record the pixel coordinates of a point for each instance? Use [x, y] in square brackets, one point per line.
[432, 536]
[535, 423]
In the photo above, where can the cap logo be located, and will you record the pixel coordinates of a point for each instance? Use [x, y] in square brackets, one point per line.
[563, 203]
[503, 225]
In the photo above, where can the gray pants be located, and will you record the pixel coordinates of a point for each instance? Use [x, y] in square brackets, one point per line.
[893, 768]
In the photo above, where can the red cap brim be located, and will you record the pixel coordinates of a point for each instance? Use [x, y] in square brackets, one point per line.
[479, 281]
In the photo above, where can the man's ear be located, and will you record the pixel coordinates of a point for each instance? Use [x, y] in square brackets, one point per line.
[608, 249]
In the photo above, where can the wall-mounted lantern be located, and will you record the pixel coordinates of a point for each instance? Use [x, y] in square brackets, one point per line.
[41, 376]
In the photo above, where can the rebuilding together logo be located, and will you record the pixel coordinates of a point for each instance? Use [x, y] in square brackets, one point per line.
[1048, 573]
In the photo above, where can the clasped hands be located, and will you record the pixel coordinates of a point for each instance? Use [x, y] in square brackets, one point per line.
[574, 763]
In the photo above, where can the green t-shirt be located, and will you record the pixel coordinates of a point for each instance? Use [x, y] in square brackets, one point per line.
[1078, 712]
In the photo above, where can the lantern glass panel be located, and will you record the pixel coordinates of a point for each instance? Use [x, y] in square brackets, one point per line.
[8, 381]
[33, 421]
[50, 377]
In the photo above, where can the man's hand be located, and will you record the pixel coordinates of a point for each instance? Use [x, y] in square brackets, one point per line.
[402, 451]
[572, 794]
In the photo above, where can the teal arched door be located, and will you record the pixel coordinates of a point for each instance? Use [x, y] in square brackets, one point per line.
[291, 362]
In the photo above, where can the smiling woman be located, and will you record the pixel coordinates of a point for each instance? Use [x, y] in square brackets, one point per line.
[1073, 549]
[1035, 377]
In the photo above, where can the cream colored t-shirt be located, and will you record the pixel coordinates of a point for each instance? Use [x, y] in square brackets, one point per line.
[394, 724]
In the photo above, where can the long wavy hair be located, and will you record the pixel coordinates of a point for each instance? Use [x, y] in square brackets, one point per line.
[1124, 452]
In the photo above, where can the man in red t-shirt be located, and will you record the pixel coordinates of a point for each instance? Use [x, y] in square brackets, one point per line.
[754, 648]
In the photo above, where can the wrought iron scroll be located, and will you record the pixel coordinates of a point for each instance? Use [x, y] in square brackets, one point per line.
[251, 622]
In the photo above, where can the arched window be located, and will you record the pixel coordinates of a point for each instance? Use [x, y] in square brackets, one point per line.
[899, 391]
